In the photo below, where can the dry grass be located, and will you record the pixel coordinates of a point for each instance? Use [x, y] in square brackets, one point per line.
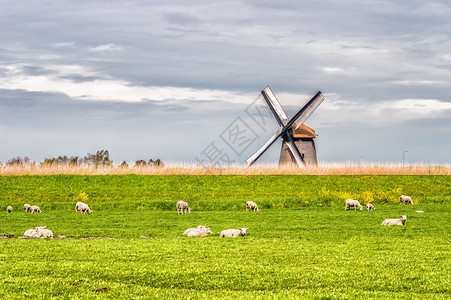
[345, 168]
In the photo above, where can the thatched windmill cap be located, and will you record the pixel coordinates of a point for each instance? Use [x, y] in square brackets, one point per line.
[304, 132]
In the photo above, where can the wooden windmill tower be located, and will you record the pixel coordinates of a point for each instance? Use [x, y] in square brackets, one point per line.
[303, 138]
[298, 146]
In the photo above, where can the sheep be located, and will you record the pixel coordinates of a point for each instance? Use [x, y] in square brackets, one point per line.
[370, 206]
[199, 232]
[183, 206]
[405, 200]
[390, 222]
[9, 209]
[35, 208]
[38, 232]
[30, 234]
[200, 227]
[233, 232]
[252, 205]
[82, 207]
[41, 232]
[354, 203]
[27, 208]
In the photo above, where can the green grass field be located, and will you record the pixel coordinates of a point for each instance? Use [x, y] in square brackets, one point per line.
[301, 245]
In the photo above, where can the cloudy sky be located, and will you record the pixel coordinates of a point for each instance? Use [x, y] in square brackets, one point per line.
[174, 79]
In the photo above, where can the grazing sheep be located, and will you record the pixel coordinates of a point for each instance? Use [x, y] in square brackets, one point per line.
[233, 232]
[183, 207]
[419, 211]
[200, 227]
[27, 208]
[199, 232]
[30, 234]
[390, 222]
[35, 208]
[354, 203]
[405, 200]
[252, 205]
[9, 209]
[82, 207]
[369, 207]
[41, 232]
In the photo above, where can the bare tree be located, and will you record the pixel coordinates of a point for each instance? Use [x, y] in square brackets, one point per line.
[124, 165]
[141, 163]
[101, 158]
[19, 162]
[61, 160]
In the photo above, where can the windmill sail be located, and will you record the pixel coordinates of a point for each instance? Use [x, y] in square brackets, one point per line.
[274, 105]
[268, 144]
[295, 151]
[307, 110]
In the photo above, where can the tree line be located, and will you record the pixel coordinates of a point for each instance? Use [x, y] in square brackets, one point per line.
[100, 158]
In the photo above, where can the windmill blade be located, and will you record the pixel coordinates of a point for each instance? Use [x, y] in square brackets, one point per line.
[274, 105]
[306, 111]
[295, 151]
[268, 144]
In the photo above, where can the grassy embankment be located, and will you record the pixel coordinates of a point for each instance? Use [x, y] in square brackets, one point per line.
[218, 192]
[302, 245]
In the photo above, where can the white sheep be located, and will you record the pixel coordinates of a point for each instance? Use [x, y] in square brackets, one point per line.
[390, 222]
[405, 200]
[27, 208]
[30, 234]
[252, 205]
[9, 209]
[41, 232]
[200, 227]
[35, 208]
[233, 232]
[370, 206]
[82, 207]
[199, 232]
[354, 203]
[183, 207]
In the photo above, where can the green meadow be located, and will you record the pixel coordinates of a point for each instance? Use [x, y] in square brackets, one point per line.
[302, 245]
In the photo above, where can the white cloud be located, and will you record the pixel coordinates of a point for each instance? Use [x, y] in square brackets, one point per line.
[335, 111]
[418, 82]
[106, 47]
[64, 45]
[333, 70]
[434, 8]
[106, 89]
[415, 107]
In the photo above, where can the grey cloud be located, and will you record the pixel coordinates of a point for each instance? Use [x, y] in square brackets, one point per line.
[34, 70]
[43, 124]
[378, 46]
[184, 19]
[386, 142]
[220, 57]
[77, 78]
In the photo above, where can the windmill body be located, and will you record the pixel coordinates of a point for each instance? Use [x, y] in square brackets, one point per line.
[298, 146]
[304, 141]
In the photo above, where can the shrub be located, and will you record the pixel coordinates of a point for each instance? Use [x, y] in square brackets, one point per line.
[83, 197]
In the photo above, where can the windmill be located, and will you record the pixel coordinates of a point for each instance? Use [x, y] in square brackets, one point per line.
[298, 146]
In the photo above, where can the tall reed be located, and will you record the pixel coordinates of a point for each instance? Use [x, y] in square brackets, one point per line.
[183, 168]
